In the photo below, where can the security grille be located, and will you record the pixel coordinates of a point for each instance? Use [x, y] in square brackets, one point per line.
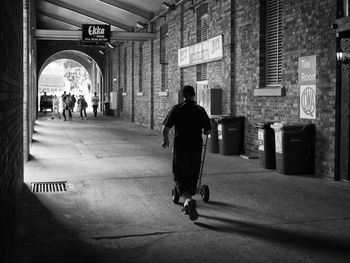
[274, 41]
[202, 69]
[44, 187]
[125, 70]
[140, 65]
[204, 27]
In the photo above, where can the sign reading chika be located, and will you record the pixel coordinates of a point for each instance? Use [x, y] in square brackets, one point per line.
[96, 33]
[307, 82]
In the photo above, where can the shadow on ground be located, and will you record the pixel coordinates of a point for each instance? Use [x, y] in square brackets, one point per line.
[276, 233]
[44, 239]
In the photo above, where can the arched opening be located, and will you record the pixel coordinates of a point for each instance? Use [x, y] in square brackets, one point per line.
[68, 71]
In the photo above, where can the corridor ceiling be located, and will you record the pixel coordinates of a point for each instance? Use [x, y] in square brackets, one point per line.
[60, 19]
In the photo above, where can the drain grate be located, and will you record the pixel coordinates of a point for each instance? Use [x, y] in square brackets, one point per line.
[43, 187]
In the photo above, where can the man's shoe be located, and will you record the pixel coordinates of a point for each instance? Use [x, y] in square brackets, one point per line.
[192, 209]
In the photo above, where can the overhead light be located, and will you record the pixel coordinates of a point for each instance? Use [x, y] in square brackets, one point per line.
[141, 25]
[101, 52]
[169, 6]
[110, 45]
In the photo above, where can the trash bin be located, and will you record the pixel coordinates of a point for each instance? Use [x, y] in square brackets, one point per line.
[213, 141]
[266, 139]
[107, 109]
[230, 135]
[295, 148]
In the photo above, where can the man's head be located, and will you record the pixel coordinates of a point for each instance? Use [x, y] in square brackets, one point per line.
[95, 94]
[188, 92]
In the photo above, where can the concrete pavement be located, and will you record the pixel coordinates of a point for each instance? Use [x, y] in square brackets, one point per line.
[118, 208]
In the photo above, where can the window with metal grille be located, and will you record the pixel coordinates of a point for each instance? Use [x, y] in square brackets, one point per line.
[202, 35]
[163, 44]
[204, 27]
[164, 86]
[125, 70]
[164, 56]
[140, 65]
[273, 42]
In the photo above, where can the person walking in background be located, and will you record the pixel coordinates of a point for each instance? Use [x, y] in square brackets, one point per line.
[56, 107]
[66, 106]
[190, 121]
[82, 104]
[94, 102]
[73, 101]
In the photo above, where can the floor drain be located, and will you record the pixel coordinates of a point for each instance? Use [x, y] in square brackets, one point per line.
[44, 187]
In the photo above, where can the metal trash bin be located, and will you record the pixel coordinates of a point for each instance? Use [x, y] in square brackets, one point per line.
[107, 109]
[266, 140]
[295, 148]
[230, 135]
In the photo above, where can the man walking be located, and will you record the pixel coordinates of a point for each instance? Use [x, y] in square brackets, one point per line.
[190, 121]
[94, 103]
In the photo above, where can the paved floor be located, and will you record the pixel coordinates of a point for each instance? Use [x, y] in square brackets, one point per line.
[118, 208]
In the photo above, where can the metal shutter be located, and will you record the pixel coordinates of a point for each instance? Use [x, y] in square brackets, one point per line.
[273, 41]
[125, 69]
[163, 44]
[204, 36]
[204, 27]
[140, 65]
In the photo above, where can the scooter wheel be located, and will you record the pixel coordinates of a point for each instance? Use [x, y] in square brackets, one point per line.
[175, 195]
[204, 192]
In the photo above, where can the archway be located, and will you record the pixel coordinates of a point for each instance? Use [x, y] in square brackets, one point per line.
[71, 71]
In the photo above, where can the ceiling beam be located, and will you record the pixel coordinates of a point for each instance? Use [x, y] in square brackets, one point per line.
[44, 34]
[59, 18]
[129, 8]
[90, 14]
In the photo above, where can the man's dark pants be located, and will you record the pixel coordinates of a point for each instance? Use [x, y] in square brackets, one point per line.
[186, 168]
[95, 109]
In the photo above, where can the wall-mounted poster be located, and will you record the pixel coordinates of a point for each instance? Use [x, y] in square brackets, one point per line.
[202, 52]
[215, 47]
[183, 55]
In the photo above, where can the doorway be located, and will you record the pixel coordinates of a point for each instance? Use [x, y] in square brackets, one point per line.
[344, 122]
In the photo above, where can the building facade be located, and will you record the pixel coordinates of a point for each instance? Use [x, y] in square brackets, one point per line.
[263, 43]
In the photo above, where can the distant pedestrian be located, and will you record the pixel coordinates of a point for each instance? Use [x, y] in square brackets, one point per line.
[82, 104]
[190, 121]
[66, 101]
[94, 102]
[64, 95]
[73, 101]
[56, 107]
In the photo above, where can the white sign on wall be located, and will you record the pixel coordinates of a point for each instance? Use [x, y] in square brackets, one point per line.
[308, 101]
[202, 52]
[307, 83]
[261, 139]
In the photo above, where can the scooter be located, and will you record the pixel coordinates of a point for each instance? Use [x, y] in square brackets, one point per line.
[202, 190]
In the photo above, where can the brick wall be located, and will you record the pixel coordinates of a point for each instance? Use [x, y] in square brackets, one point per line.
[306, 31]
[11, 118]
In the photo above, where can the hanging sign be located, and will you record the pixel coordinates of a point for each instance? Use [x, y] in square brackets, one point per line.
[96, 33]
[307, 83]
